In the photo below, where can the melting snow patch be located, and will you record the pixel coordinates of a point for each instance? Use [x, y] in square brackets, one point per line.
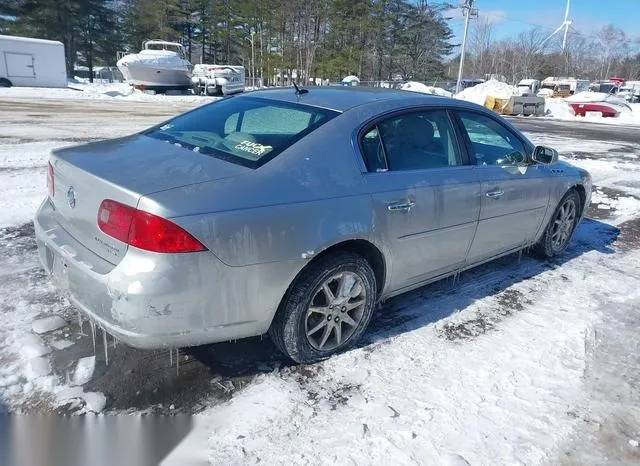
[38, 367]
[33, 346]
[84, 370]
[452, 459]
[94, 401]
[48, 324]
[75, 397]
[62, 344]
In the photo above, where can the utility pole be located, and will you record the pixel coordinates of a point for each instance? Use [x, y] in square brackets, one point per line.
[466, 9]
[252, 68]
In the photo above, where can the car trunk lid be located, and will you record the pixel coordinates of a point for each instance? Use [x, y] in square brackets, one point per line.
[122, 170]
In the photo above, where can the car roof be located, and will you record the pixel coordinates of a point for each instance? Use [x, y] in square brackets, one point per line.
[342, 99]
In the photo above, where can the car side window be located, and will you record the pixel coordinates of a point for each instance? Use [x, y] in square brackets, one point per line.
[492, 143]
[373, 151]
[419, 140]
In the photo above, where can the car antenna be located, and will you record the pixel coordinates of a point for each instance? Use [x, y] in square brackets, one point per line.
[300, 91]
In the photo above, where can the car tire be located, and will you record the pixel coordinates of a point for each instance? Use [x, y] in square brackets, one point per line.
[298, 331]
[5, 82]
[558, 233]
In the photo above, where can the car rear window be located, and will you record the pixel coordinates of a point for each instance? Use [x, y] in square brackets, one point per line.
[248, 131]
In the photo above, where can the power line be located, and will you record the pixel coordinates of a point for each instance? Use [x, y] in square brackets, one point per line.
[547, 28]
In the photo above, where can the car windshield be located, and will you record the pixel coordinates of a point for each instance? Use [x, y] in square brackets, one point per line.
[248, 131]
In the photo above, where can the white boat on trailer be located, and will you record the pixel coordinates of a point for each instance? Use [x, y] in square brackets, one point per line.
[160, 66]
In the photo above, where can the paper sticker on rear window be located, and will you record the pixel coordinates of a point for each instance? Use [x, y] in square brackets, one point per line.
[253, 148]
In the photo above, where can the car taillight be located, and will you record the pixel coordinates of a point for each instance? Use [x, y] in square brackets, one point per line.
[115, 218]
[144, 230]
[51, 187]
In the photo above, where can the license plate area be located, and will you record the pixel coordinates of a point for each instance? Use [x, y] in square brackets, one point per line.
[59, 271]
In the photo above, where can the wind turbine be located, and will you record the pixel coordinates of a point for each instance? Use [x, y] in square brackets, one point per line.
[566, 24]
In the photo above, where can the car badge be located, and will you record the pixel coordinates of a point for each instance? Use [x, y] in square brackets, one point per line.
[71, 197]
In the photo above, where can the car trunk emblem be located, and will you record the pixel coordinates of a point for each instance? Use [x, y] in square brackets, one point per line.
[71, 197]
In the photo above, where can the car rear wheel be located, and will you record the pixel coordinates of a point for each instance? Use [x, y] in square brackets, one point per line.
[5, 82]
[327, 308]
[558, 233]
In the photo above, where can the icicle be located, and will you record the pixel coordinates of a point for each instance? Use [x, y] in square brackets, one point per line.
[115, 342]
[171, 357]
[177, 361]
[93, 335]
[80, 323]
[106, 347]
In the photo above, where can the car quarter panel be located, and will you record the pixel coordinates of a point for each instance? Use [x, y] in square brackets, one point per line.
[150, 300]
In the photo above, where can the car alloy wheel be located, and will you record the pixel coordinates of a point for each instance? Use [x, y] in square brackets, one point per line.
[563, 224]
[336, 309]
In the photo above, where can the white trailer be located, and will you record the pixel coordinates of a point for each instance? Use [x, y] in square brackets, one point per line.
[31, 62]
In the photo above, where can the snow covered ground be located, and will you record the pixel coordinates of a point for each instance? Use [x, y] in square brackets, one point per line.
[100, 91]
[519, 362]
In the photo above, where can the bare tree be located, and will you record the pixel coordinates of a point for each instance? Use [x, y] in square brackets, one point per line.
[480, 42]
[613, 45]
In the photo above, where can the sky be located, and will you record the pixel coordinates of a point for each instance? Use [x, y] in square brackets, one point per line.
[511, 16]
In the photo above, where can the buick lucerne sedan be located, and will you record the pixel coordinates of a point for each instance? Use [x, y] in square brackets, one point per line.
[294, 213]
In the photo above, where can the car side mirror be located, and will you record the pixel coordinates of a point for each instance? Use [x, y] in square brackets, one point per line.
[545, 155]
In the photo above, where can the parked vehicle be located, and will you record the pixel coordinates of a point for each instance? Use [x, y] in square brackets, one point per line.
[160, 66]
[630, 91]
[559, 87]
[218, 79]
[528, 87]
[31, 62]
[605, 87]
[294, 212]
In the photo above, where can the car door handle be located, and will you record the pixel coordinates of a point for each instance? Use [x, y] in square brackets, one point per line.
[494, 194]
[403, 206]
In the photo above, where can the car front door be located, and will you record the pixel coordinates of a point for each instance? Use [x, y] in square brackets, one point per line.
[425, 194]
[515, 191]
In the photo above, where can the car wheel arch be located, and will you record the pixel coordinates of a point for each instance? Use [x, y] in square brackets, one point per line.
[583, 195]
[362, 247]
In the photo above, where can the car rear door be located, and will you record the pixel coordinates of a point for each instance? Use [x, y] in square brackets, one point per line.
[515, 192]
[425, 194]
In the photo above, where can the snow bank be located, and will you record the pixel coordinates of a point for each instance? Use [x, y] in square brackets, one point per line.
[478, 94]
[414, 86]
[558, 108]
[99, 91]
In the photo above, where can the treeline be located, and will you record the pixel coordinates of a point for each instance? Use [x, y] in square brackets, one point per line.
[599, 55]
[373, 39]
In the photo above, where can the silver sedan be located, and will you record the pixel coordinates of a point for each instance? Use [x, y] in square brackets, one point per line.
[294, 213]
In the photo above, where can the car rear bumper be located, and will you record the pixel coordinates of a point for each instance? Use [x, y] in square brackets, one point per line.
[151, 300]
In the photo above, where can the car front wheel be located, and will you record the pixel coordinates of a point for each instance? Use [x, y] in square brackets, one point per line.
[560, 229]
[327, 308]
